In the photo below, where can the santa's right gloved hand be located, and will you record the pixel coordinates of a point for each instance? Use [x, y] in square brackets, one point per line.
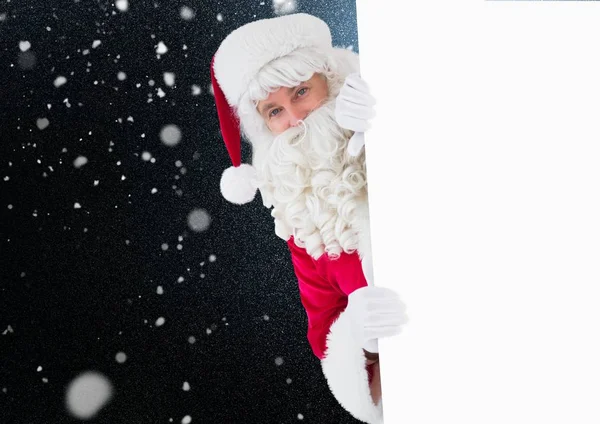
[376, 312]
[354, 107]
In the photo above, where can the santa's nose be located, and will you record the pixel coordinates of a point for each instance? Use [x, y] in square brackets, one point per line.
[297, 115]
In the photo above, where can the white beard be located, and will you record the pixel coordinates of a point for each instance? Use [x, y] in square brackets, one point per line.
[317, 190]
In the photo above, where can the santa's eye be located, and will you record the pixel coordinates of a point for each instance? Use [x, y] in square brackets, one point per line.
[302, 91]
[274, 112]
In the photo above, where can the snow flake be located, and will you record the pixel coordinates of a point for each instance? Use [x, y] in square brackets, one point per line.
[121, 76]
[196, 90]
[186, 13]
[186, 386]
[186, 420]
[80, 161]
[160, 321]
[212, 258]
[219, 17]
[24, 45]
[283, 7]
[279, 361]
[169, 78]
[159, 290]
[161, 48]
[199, 220]
[42, 123]
[170, 135]
[96, 43]
[122, 5]
[121, 357]
[87, 394]
[77, 205]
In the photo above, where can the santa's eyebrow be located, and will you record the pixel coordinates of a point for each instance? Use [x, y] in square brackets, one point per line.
[266, 107]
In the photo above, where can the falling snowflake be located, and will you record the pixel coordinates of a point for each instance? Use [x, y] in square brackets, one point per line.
[42, 123]
[219, 17]
[121, 76]
[279, 361]
[122, 5]
[159, 290]
[186, 13]
[186, 386]
[60, 80]
[283, 7]
[161, 48]
[170, 135]
[96, 43]
[186, 420]
[169, 78]
[87, 394]
[160, 321]
[196, 90]
[121, 357]
[199, 220]
[24, 45]
[80, 161]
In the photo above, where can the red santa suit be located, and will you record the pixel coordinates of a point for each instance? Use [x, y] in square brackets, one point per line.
[325, 285]
[324, 288]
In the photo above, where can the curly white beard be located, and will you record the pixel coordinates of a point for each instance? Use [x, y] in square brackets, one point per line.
[317, 190]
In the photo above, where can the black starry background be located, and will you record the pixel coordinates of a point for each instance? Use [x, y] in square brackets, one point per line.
[109, 143]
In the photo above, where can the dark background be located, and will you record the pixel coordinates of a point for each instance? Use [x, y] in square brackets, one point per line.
[79, 285]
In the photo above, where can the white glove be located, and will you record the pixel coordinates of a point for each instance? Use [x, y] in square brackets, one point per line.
[375, 312]
[353, 110]
[356, 143]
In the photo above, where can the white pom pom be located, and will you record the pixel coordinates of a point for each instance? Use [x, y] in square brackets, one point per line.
[238, 184]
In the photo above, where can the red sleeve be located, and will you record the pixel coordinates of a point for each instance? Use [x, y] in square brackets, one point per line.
[322, 300]
[347, 273]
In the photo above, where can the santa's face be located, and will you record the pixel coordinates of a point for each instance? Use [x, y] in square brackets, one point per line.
[288, 106]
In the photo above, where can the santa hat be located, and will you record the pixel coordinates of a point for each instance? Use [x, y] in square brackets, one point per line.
[236, 63]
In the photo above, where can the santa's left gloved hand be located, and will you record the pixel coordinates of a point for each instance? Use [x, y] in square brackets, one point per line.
[376, 312]
[353, 110]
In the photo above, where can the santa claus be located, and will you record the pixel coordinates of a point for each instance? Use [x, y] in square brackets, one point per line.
[302, 105]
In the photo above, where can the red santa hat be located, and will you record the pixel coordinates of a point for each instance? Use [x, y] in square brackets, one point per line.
[236, 63]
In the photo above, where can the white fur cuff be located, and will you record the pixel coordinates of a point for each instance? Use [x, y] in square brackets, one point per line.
[344, 367]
